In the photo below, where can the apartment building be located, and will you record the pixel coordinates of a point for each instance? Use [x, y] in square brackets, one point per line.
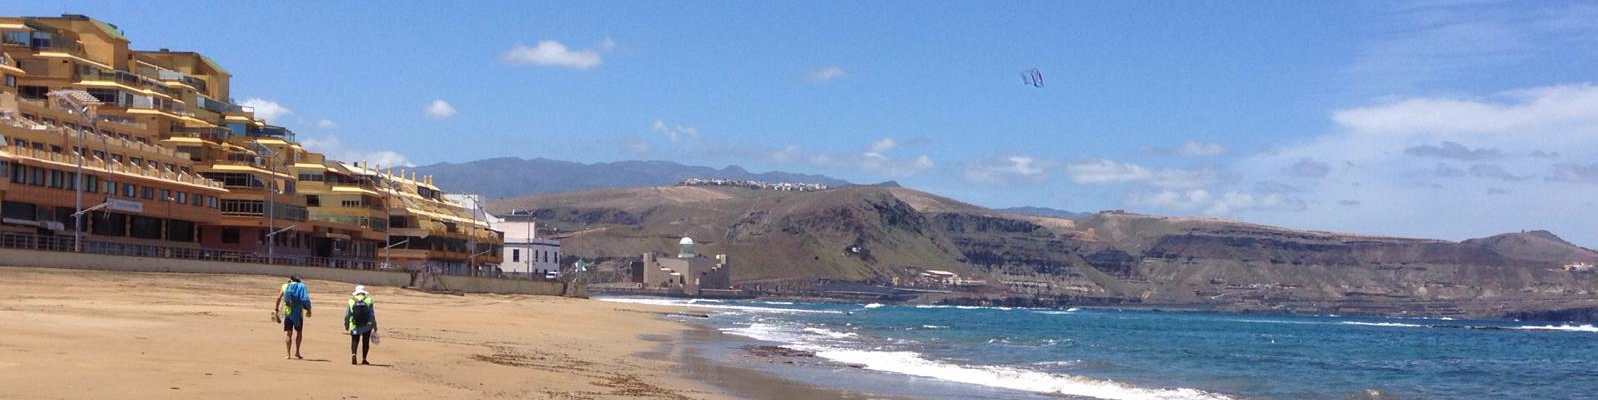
[170, 159]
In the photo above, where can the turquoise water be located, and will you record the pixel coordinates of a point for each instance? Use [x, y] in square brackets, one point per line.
[1001, 353]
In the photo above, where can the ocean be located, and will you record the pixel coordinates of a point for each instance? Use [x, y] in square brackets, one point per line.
[1019, 353]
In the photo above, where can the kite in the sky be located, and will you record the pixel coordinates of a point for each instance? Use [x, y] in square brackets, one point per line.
[1032, 77]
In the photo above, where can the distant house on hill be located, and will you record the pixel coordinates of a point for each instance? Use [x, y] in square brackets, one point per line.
[757, 185]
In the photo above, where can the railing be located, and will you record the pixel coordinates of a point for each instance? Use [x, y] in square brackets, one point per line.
[123, 121]
[216, 106]
[214, 134]
[376, 224]
[29, 241]
[92, 164]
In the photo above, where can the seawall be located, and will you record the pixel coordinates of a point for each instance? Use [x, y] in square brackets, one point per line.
[463, 284]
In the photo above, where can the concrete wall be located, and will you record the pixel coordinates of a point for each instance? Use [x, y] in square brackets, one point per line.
[465, 284]
[51, 259]
[474, 284]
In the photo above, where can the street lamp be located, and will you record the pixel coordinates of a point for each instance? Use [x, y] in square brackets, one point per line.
[86, 106]
[271, 198]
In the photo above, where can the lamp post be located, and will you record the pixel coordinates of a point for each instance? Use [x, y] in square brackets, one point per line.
[85, 106]
[271, 198]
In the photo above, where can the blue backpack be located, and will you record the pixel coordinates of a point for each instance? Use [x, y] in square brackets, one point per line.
[295, 296]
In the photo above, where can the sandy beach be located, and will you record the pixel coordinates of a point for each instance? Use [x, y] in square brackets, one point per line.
[112, 335]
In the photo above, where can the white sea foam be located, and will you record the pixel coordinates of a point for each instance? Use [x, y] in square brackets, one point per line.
[913, 364]
[1386, 324]
[935, 327]
[710, 304]
[966, 307]
[874, 305]
[910, 363]
[1277, 321]
[1567, 328]
[831, 333]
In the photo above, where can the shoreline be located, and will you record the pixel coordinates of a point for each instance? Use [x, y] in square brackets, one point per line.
[79, 334]
[685, 350]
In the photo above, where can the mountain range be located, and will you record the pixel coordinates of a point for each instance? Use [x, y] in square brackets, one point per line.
[794, 242]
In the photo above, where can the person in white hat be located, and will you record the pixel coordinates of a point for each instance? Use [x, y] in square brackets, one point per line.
[360, 320]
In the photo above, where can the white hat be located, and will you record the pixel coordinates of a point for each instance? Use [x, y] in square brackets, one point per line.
[359, 289]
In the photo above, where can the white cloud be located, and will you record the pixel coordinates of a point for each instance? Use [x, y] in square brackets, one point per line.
[550, 53]
[676, 134]
[825, 74]
[1202, 201]
[1387, 155]
[1100, 171]
[1189, 148]
[439, 109]
[266, 109]
[334, 148]
[325, 123]
[1008, 170]
[875, 158]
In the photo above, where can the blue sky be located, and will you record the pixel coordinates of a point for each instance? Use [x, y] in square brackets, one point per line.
[1435, 118]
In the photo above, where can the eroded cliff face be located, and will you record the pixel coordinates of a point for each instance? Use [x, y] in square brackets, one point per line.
[1120, 258]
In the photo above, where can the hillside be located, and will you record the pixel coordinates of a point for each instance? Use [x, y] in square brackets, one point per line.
[513, 177]
[871, 234]
[857, 234]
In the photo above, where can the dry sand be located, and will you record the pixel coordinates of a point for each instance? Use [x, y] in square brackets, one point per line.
[68, 334]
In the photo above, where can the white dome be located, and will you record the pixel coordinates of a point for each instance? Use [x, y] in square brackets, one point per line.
[686, 240]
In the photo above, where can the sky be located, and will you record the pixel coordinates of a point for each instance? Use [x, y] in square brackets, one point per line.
[1438, 119]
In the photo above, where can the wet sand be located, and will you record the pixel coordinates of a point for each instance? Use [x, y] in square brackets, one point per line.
[70, 334]
[682, 347]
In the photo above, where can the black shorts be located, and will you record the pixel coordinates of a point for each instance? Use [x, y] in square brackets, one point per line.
[293, 324]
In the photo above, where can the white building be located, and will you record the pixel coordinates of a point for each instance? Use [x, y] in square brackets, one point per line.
[525, 253]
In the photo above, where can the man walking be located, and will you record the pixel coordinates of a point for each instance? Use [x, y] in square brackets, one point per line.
[296, 306]
[360, 320]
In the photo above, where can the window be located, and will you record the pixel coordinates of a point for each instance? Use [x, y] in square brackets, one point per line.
[12, 209]
[166, 195]
[212, 200]
[16, 38]
[42, 39]
[11, 80]
[19, 174]
[516, 255]
[146, 228]
[38, 177]
[149, 193]
[108, 96]
[109, 224]
[33, 92]
[230, 235]
[129, 190]
[313, 200]
[179, 231]
[72, 181]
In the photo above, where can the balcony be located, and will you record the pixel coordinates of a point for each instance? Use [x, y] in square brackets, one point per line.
[214, 134]
[125, 78]
[96, 165]
[217, 106]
